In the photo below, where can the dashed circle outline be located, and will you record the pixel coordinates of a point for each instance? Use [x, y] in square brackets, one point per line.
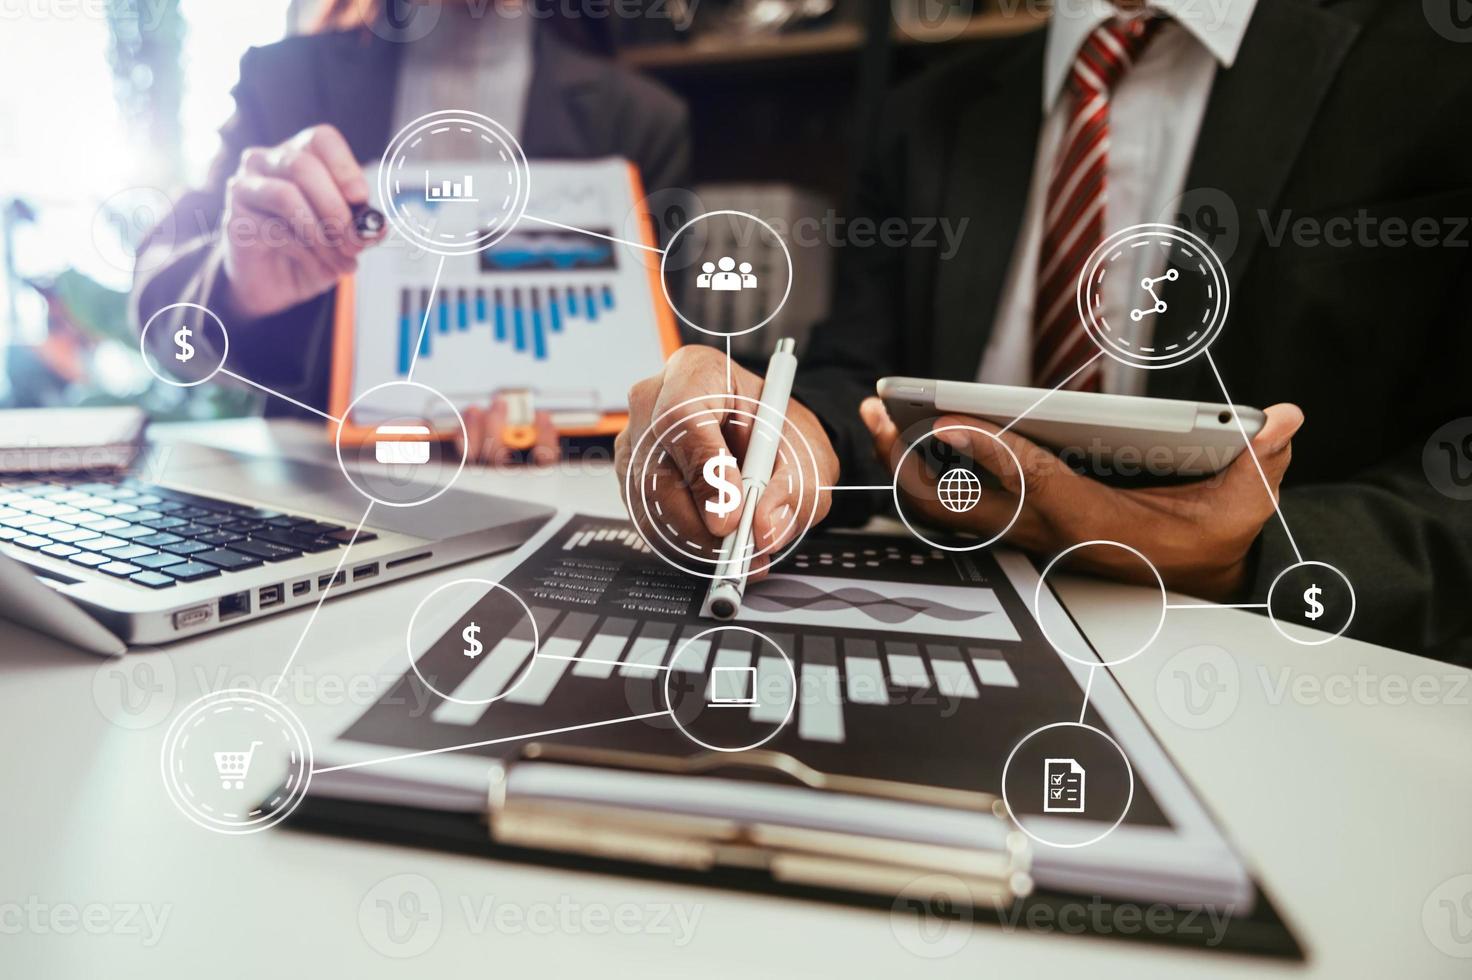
[1332, 636]
[634, 452]
[526, 668]
[669, 671]
[645, 485]
[1129, 800]
[664, 284]
[148, 363]
[1037, 597]
[269, 705]
[1181, 236]
[517, 199]
[348, 413]
[1021, 496]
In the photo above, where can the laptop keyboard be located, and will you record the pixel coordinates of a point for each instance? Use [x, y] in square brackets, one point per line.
[153, 536]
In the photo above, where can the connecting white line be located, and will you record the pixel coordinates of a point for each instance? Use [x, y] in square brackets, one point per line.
[1044, 397]
[285, 398]
[1253, 453]
[729, 389]
[1216, 605]
[594, 234]
[611, 663]
[321, 599]
[489, 741]
[1088, 689]
[885, 486]
[424, 324]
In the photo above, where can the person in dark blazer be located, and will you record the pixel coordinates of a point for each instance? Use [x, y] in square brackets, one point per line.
[268, 236]
[1325, 135]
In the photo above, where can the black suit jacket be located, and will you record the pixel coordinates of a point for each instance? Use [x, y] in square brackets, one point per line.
[1350, 114]
[578, 107]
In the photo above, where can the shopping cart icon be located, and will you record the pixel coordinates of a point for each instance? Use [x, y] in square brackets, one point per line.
[233, 766]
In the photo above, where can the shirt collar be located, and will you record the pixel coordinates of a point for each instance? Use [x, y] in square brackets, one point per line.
[1217, 24]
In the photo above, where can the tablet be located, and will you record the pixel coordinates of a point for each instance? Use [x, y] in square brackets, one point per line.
[1124, 436]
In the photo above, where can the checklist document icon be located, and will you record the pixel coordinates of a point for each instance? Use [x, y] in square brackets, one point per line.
[1063, 786]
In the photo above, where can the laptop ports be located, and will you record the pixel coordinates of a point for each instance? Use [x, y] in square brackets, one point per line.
[365, 571]
[270, 595]
[301, 588]
[323, 581]
[236, 604]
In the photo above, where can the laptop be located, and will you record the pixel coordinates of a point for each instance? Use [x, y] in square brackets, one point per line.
[223, 538]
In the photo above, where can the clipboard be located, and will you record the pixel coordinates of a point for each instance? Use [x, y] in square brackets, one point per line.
[984, 886]
[813, 813]
[586, 424]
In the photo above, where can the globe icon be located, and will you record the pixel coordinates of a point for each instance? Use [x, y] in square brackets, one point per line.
[959, 490]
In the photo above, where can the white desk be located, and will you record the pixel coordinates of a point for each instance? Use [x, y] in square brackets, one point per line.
[1344, 772]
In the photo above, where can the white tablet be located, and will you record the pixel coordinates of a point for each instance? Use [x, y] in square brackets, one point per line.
[1118, 435]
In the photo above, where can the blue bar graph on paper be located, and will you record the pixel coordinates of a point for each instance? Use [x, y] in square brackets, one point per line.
[406, 331]
[518, 319]
[424, 323]
[539, 341]
[529, 319]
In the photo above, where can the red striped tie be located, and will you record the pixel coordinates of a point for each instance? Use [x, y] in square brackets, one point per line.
[1073, 223]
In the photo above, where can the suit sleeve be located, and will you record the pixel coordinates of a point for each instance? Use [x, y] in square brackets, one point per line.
[1404, 544]
[181, 261]
[860, 341]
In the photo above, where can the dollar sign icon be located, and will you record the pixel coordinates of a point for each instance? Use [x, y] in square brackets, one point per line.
[1313, 608]
[473, 647]
[186, 349]
[726, 491]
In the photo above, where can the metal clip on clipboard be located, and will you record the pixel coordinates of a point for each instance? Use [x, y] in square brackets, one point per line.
[828, 858]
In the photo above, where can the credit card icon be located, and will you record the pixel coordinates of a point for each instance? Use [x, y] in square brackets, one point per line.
[401, 444]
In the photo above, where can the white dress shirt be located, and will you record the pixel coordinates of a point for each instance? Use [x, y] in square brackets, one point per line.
[1154, 117]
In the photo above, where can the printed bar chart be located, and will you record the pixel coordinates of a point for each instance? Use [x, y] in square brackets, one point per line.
[524, 318]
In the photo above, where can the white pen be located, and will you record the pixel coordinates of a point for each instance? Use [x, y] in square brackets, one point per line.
[723, 601]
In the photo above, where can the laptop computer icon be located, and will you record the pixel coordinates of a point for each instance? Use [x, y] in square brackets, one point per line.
[732, 687]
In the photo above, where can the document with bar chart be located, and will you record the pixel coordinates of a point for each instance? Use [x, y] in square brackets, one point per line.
[911, 665]
[540, 307]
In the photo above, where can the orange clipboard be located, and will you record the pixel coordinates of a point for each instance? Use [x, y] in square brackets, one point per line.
[344, 320]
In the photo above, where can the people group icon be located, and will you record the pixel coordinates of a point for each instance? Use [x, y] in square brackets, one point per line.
[728, 279]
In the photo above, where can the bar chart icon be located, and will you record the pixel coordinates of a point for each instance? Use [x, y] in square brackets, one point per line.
[462, 190]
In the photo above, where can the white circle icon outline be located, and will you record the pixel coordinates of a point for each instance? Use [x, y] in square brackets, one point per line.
[148, 361]
[1088, 299]
[492, 586]
[212, 704]
[807, 449]
[664, 283]
[1037, 598]
[1021, 495]
[464, 441]
[489, 131]
[1272, 588]
[786, 662]
[1128, 800]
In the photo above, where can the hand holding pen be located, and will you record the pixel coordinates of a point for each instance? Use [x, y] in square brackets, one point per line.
[697, 377]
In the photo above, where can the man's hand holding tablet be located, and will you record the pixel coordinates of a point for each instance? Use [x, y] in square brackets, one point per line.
[1197, 534]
